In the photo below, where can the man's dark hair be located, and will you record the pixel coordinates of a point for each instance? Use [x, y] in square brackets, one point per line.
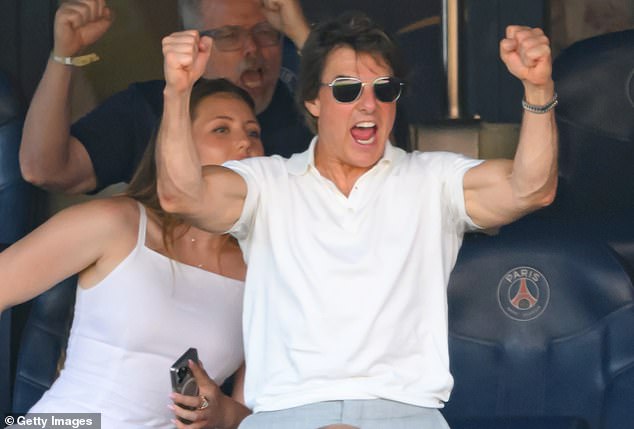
[352, 29]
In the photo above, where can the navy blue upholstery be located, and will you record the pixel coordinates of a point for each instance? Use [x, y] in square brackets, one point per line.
[595, 115]
[14, 191]
[42, 344]
[540, 328]
[14, 213]
[5, 360]
[595, 81]
[32, 335]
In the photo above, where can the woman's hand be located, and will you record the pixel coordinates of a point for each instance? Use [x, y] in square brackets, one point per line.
[207, 408]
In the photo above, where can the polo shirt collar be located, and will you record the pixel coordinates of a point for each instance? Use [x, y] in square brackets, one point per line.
[300, 163]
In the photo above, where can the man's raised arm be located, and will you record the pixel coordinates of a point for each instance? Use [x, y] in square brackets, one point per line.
[287, 16]
[500, 191]
[212, 197]
[49, 156]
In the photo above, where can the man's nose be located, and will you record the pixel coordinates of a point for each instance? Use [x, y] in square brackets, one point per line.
[249, 46]
[367, 100]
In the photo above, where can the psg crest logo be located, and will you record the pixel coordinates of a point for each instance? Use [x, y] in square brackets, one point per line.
[523, 293]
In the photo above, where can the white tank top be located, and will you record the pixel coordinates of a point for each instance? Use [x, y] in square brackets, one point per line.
[129, 329]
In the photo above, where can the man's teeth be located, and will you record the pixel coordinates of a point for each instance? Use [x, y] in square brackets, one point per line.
[366, 125]
[251, 78]
[364, 132]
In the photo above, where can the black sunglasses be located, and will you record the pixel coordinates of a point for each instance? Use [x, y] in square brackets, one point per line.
[348, 89]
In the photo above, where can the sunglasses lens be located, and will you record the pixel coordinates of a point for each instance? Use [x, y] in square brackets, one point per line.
[346, 91]
[387, 90]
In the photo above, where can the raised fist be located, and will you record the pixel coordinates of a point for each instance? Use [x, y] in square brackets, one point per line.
[78, 24]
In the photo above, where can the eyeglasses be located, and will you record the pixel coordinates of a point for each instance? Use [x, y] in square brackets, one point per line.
[234, 37]
[348, 89]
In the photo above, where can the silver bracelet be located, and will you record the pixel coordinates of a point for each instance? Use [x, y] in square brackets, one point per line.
[533, 108]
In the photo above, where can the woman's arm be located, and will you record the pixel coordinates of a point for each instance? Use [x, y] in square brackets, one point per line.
[79, 237]
[238, 384]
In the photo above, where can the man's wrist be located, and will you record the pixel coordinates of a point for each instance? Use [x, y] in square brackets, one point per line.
[539, 94]
[78, 61]
[541, 108]
[299, 37]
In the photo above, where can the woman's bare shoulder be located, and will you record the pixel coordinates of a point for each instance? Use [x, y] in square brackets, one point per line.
[108, 217]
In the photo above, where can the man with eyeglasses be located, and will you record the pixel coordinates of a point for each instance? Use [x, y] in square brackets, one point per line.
[105, 146]
[350, 244]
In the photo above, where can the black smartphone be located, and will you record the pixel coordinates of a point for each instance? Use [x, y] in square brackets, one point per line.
[183, 380]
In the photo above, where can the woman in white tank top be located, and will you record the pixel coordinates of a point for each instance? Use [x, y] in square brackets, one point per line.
[150, 286]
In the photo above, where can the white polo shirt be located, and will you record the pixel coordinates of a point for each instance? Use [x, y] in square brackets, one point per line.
[346, 297]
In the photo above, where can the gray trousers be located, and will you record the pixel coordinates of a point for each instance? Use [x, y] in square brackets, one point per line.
[356, 414]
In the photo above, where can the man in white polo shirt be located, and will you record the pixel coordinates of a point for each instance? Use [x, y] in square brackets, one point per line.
[350, 244]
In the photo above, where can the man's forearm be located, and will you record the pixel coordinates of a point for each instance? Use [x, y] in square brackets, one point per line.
[179, 171]
[535, 166]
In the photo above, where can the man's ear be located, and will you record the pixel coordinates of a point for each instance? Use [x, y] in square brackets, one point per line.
[313, 107]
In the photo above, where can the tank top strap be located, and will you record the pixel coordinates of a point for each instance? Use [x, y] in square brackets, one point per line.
[142, 225]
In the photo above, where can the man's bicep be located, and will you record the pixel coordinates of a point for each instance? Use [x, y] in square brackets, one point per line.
[488, 194]
[78, 175]
[224, 197]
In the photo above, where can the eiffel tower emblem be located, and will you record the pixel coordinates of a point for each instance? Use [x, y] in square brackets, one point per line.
[523, 299]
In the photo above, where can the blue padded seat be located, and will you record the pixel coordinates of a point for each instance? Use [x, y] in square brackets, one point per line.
[5, 359]
[595, 81]
[42, 338]
[522, 423]
[14, 214]
[14, 191]
[541, 327]
[595, 116]
[42, 343]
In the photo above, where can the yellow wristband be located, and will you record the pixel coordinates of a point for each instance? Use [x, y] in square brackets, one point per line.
[80, 61]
